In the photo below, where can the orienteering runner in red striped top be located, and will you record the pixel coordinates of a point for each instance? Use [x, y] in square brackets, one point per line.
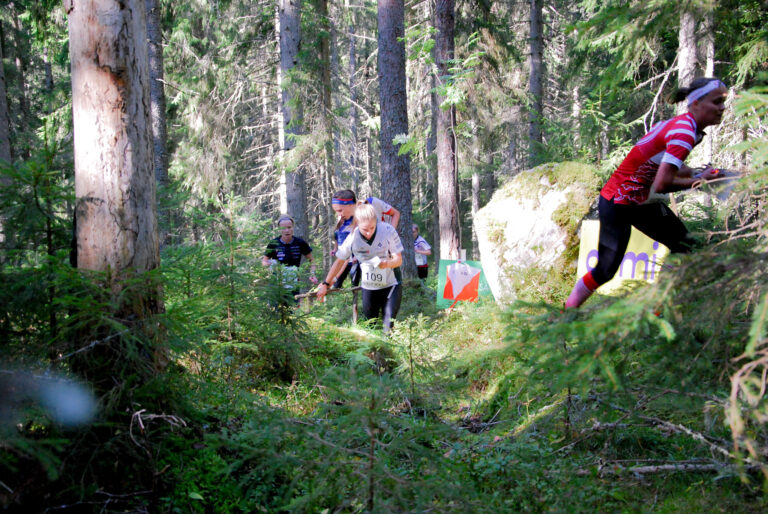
[654, 165]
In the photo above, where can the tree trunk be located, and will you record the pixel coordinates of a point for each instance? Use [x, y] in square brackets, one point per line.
[5, 119]
[353, 116]
[329, 133]
[292, 188]
[395, 169]
[475, 208]
[708, 40]
[22, 143]
[535, 85]
[157, 90]
[431, 157]
[686, 54]
[5, 149]
[447, 176]
[114, 174]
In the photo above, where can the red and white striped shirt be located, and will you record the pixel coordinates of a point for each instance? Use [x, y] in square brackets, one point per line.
[668, 141]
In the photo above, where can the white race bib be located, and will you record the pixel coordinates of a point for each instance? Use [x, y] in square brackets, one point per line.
[375, 278]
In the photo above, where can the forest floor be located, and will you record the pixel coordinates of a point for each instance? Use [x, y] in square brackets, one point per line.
[450, 414]
[480, 409]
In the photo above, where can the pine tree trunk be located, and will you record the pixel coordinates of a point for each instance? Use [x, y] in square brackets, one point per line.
[353, 115]
[535, 84]
[329, 133]
[5, 119]
[5, 150]
[447, 177]
[114, 173]
[395, 169]
[292, 188]
[24, 114]
[686, 54]
[157, 90]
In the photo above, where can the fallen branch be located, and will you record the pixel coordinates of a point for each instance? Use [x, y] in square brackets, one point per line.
[313, 294]
[681, 429]
[615, 469]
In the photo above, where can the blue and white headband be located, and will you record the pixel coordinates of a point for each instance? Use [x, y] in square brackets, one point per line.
[704, 90]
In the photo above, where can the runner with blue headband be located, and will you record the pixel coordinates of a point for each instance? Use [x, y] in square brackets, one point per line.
[653, 165]
[344, 203]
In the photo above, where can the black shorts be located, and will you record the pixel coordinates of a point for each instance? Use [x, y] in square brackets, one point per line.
[656, 220]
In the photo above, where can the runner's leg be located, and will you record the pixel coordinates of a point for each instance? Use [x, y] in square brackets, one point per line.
[392, 306]
[658, 222]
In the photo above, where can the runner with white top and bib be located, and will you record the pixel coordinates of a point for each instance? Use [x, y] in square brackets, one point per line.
[378, 248]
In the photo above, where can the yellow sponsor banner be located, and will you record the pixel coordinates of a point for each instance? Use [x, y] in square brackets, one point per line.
[642, 260]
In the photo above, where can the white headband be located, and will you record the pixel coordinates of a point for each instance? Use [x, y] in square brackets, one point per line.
[704, 90]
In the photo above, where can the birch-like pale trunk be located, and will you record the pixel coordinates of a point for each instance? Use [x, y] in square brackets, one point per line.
[686, 54]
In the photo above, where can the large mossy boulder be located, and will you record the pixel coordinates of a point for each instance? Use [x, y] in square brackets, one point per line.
[528, 232]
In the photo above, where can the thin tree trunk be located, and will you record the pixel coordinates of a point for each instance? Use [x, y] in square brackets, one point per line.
[5, 119]
[475, 208]
[338, 164]
[535, 84]
[353, 114]
[686, 60]
[292, 182]
[329, 133]
[22, 144]
[708, 40]
[447, 176]
[5, 152]
[114, 174]
[157, 90]
[395, 169]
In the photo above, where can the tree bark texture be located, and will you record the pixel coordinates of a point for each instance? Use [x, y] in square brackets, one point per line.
[5, 119]
[686, 53]
[292, 188]
[447, 176]
[157, 90]
[708, 41]
[353, 116]
[5, 145]
[22, 143]
[535, 84]
[114, 174]
[395, 169]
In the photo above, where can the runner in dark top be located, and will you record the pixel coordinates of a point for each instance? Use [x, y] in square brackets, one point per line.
[287, 250]
[655, 164]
